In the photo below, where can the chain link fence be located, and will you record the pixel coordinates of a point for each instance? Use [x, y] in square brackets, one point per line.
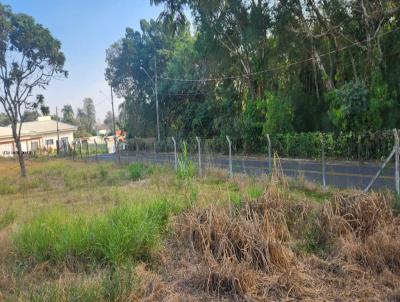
[365, 163]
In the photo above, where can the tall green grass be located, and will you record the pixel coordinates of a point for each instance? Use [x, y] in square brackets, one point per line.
[127, 232]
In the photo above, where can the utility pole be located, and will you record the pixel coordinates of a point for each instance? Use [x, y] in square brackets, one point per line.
[155, 92]
[155, 84]
[113, 120]
[58, 133]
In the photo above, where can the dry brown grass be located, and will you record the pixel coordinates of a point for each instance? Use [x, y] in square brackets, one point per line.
[248, 254]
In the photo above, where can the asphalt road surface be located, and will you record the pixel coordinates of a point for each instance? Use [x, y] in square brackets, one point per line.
[341, 174]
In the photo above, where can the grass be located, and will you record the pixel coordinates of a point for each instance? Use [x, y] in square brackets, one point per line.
[76, 231]
[127, 232]
[7, 218]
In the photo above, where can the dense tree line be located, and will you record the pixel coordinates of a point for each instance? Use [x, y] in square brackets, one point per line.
[247, 68]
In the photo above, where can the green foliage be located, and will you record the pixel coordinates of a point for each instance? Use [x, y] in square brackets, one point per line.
[137, 171]
[279, 115]
[68, 115]
[186, 168]
[259, 75]
[126, 232]
[254, 191]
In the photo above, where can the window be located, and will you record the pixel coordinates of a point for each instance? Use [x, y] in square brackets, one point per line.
[49, 142]
[34, 146]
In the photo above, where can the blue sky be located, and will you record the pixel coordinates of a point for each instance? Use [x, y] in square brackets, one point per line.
[86, 28]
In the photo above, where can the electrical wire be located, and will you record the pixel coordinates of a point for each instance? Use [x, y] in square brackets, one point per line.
[273, 68]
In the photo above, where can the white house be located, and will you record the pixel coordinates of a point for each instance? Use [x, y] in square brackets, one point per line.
[39, 135]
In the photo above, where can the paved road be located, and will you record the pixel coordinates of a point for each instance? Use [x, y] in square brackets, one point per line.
[342, 174]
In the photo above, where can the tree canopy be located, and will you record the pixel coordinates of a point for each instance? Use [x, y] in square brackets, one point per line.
[30, 57]
[247, 68]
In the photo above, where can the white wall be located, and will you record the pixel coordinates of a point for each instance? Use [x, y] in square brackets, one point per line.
[6, 149]
[53, 136]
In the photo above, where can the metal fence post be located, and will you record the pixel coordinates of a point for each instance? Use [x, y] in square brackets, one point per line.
[175, 155]
[119, 153]
[269, 154]
[397, 153]
[199, 151]
[323, 161]
[80, 148]
[73, 152]
[87, 149]
[95, 145]
[230, 156]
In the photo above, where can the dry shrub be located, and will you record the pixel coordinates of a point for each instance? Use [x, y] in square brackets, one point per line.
[359, 214]
[238, 249]
[367, 232]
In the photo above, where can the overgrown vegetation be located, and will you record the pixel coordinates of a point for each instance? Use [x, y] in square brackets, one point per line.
[248, 68]
[211, 238]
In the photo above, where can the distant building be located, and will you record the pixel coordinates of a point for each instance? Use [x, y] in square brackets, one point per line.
[37, 136]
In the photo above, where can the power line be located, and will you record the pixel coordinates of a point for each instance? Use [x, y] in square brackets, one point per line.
[273, 68]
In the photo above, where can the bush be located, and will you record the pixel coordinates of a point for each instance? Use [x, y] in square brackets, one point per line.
[126, 232]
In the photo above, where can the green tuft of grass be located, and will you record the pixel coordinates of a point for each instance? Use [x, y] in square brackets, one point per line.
[126, 232]
[6, 187]
[254, 191]
[7, 218]
[136, 171]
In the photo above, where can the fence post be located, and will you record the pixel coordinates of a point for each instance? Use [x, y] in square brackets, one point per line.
[269, 154]
[73, 153]
[175, 155]
[95, 145]
[396, 146]
[323, 161]
[87, 149]
[80, 148]
[230, 156]
[199, 151]
[119, 153]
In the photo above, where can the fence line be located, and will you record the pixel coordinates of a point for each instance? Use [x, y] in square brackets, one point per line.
[337, 173]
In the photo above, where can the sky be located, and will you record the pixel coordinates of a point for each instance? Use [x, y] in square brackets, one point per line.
[86, 28]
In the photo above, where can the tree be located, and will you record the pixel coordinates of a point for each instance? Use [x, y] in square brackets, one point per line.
[108, 121]
[86, 117]
[68, 115]
[45, 110]
[4, 120]
[29, 116]
[30, 57]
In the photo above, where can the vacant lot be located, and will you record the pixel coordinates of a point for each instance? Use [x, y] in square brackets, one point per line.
[75, 231]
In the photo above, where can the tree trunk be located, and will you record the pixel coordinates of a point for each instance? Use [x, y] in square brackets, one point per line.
[21, 160]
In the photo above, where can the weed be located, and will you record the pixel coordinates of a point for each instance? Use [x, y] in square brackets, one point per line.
[136, 171]
[186, 168]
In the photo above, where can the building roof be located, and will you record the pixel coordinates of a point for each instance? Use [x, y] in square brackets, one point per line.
[42, 126]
